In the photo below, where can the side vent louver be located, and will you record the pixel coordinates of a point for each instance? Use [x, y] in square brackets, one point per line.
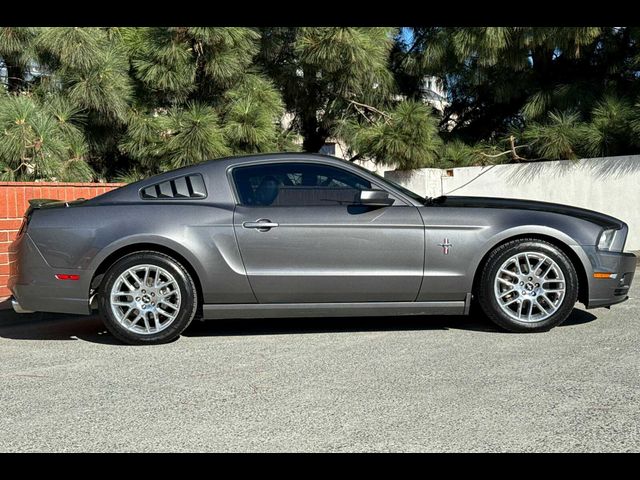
[190, 186]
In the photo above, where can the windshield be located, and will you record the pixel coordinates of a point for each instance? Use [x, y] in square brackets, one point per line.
[404, 190]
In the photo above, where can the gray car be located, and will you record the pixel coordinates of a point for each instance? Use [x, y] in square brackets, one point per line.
[300, 235]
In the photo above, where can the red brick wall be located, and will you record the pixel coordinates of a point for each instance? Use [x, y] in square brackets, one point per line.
[14, 201]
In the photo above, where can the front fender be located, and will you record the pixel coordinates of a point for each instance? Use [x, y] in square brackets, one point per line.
[449, 274]
[523, 230]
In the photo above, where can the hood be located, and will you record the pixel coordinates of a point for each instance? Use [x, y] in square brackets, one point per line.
[598, 218]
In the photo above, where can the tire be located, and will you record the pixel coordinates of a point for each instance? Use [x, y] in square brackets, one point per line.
[161, 313]
[519, 300]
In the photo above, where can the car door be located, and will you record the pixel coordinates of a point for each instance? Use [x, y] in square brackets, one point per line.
[303, 239]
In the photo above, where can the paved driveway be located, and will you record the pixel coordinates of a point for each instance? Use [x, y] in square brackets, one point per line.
[378, 384]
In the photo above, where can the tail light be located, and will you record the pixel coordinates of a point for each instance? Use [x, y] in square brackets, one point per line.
[66, 276]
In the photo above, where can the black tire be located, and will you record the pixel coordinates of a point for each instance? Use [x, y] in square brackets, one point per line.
[487, 299]
[188, 293]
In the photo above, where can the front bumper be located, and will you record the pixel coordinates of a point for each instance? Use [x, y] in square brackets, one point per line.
[604, 292]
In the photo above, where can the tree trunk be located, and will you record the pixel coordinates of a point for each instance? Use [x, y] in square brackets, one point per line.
[314, 136]
[542, 60]
[14, 75]
[313, 142]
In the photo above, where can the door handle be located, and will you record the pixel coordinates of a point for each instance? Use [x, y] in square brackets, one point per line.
[263, 225]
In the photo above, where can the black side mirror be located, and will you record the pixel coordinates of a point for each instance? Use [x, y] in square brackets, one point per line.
[375, 198]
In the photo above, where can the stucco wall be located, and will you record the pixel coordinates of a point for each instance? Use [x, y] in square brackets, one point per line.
[610, 185]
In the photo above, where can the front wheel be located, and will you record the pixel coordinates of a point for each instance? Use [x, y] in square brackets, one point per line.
[528, 285]
[147, 298]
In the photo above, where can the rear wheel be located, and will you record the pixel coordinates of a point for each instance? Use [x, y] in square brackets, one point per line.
[528, 285]
[147, 298]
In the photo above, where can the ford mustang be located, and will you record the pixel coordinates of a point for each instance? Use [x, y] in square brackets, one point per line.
[300, 235]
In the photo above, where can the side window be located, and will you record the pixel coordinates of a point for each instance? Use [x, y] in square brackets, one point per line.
[297, 184]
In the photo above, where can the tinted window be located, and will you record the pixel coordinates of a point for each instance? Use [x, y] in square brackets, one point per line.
[294, 184]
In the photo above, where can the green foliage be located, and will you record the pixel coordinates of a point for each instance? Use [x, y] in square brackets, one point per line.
[352, 61]
[557, 139]
[127, 102]
[320, 70]
[565, 135]
[73, 48]
[182, 61]
[16, 44]
[16, 52]
[406, 137]
[104, 89]
[130, 176]
[499, 78]
[578, 96]
[456, 153]
[176, 138]
[133, 100]
[253, 109]
[608, 131]
[224, 53]
[40, 140]
[193, 135]
[162, 61]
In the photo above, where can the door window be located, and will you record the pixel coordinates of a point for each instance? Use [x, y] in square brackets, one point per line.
[297, 184]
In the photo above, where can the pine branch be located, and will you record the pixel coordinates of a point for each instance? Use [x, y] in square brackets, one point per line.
[512, 151]
[369, 107]
[359, 106]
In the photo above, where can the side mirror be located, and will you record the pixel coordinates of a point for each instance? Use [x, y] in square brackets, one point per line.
[375, 198]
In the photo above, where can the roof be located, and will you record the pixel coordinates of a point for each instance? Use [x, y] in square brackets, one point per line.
[249, 158]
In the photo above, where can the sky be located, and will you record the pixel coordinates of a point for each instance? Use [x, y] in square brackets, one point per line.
[407, 34]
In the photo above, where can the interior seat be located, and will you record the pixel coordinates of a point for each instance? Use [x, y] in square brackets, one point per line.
[267, 191]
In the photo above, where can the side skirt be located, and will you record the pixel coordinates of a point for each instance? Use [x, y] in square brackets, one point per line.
[283, 310]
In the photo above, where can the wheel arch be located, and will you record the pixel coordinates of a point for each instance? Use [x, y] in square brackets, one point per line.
[583, 280]
[122, 251]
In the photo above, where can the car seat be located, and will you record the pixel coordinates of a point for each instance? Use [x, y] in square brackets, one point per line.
[267, 191]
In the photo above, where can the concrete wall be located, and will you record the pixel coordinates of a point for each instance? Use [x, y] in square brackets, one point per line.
[609, 185]
[14, 201]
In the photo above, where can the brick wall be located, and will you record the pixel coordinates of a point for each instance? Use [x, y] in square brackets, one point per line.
[14, 201]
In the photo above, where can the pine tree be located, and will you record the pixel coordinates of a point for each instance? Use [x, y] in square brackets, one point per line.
[202, 97]
[105, 101]
[578, 82]
[320, 71]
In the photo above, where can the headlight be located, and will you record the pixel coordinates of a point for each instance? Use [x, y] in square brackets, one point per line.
[606, 239]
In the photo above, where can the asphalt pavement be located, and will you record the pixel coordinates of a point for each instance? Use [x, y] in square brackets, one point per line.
[428, 384]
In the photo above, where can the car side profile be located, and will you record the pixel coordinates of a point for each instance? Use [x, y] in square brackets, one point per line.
[300, 235]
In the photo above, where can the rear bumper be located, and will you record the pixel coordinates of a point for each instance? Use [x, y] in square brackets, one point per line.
[34, 286]
[604, 292]
[17, 307]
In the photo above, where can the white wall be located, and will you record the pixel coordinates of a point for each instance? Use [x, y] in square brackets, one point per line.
[374, 167]
[609, 185]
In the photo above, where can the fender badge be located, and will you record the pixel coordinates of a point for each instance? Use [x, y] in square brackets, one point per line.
[445, 246]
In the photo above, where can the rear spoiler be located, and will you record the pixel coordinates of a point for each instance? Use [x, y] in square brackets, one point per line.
[37, 203]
